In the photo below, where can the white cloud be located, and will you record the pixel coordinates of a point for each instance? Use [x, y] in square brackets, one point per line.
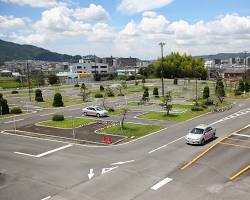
[92, 13]
[8, 22]
[101, 32]
[133, 6]
[35, 3]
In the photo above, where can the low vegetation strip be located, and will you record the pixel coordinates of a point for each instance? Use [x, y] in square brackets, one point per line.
[131, 129]
[67, 123]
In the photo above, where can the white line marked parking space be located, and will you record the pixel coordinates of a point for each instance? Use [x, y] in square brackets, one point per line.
[25, 154]
[152, 151]
[17, 120]
[161, 183]
[46, 198]
[243, 135]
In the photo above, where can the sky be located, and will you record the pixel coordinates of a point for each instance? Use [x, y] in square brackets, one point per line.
[124, 28]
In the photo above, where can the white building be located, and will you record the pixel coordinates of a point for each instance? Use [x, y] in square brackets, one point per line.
[209, 64]
[88, 66]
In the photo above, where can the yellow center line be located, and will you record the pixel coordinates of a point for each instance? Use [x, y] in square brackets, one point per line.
[235, 145]
[239, 173]
[238, 140]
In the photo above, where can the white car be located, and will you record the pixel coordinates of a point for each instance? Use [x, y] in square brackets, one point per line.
[200, 134]
[95, 111]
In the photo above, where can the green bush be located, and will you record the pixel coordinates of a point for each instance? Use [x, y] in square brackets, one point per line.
[16, 110]
[175, 81]
[109, 92]
[111, 109]
[247, 87]
[58, 100]
[237, 93]
[38, 95]
[14, 92]
[155, 92]
[58, 118]
[120, 94]
[98, 95]
[241, 87]
[206, 92]
[209, 102]
[77, 85]
[101, 88]
[196, 108]
[4, 105]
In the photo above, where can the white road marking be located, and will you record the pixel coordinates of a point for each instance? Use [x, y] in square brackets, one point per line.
[25, 154]
[17, 120]
[91, 174]
[54, 150]
[120, 163]
[161, 183]
[105, 170]
[243, 135]
[47, 114]
[46, 198]
[73, 109]
[152, 151]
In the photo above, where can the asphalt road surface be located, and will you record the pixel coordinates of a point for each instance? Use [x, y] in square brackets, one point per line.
[147, 168]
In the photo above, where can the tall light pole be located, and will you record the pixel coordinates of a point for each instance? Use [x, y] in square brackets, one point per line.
[162, 81]
[28, 70]
[245, 76]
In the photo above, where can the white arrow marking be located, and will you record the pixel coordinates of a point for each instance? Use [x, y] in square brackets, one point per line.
[120, 163]
[105, 170]
[91, 174]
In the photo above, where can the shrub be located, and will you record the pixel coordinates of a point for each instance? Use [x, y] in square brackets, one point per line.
[247, 87]
[4, 105]
[175, 81]
[38, 95]
[101, 88]
[97, 77]
[196, 108]
[111, 109]
[77, 85]
[155, 92]
[98, 95]
[14, 92]
[241, 86]
[58, 100]
[120, 94]
[237, 92]
[109, 92]
[209, 102]
[136, 82]
[206, 92]
[16, 110]
[58, 118]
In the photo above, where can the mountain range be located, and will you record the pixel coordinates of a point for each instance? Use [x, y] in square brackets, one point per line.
[13, 51]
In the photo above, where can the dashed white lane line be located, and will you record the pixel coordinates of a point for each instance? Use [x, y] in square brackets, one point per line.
[152, 151]
[17, 120]
[123, 162]
[54, 150]
[161, 183]
[47, 114]
[243, 135]
[45, 153]
[46, 198]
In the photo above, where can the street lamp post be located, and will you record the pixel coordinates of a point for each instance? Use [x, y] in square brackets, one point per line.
[28, 70]
[162, 80]
[245, 76]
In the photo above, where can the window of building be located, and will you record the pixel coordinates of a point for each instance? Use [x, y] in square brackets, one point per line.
[94, 67]
[79, 67]
[93, 72]
[103, 71]
[103, 66]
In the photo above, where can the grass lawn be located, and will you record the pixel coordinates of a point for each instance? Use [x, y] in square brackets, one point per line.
[130, 129]
[173, 117]
[116, 112]
[133, 103]
[67, 123]
[243, 96]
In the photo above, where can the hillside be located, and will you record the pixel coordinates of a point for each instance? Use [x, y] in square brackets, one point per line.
[223, 56]
[12, 51]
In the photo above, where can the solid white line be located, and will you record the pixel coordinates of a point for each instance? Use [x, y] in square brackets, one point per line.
[165, 145]
[120, 163]
[52, 151]
[46, 198]
[25, 154]
[47, 114]
[8, 122]
[243, 135]
[161, 183]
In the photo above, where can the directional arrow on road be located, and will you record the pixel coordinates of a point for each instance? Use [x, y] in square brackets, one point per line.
[120, 163]
[91, 174]
[105, 170]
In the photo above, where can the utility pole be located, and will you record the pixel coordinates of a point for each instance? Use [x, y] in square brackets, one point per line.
[162, 79]
[245, 76]
[28, 70]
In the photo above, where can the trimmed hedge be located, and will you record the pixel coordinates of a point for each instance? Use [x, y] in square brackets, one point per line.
[98, 95]
[58, 118]
[16, 110]
[197, 108]
[14, 92]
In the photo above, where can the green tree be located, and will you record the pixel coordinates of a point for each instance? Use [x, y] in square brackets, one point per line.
[53, 79]
[206, 92]
[166, 104]
[175, 81]
[97, 77]
[4, 107]
[247, 87]
[83, 89]
[241, 86]
[219, 90]
[145, 96]
[58, 100]
[143, 81]
[101, 88]
[155, 92]
[38, 95]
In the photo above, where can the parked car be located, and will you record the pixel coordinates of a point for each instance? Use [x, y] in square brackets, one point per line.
[95, 111]
[200, 134]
